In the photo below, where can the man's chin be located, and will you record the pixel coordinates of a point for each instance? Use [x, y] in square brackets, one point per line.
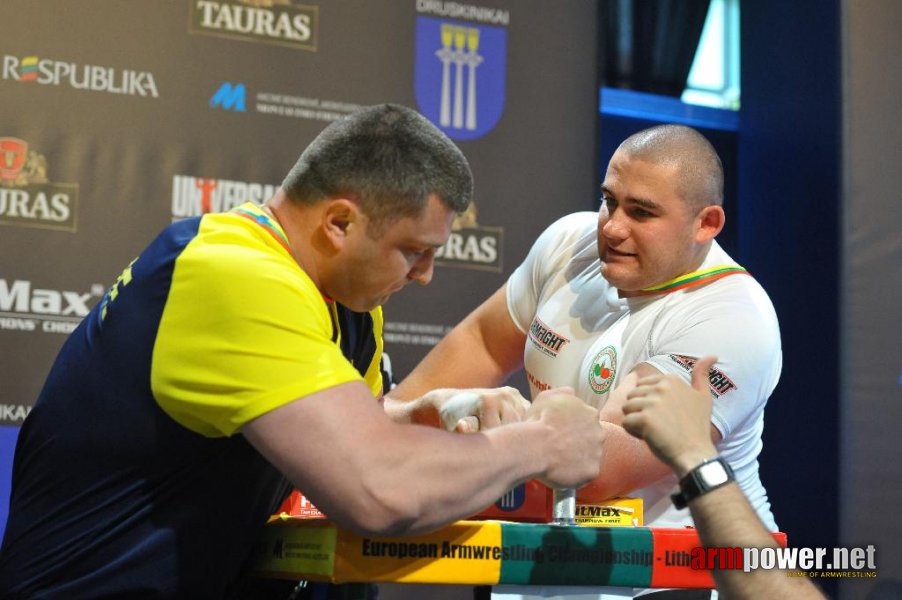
[614, 275]
[360, 305]
[368, 305]
[626, 285]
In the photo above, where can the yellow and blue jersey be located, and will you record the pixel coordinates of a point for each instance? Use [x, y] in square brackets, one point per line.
[129, 477]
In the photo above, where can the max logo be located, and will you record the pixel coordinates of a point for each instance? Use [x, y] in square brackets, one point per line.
[597, 511]
[21, 297]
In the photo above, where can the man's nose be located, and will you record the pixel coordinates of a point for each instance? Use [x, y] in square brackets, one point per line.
[422, 270]
[614, 228]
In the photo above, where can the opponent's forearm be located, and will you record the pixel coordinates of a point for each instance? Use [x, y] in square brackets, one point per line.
[482, 351]
[725, 519]
[628, 465]
[460, 360]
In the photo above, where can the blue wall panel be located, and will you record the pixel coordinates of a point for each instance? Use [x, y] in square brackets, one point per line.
[789, 191]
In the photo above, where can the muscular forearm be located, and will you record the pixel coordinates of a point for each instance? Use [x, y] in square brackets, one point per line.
[400, 479]
[413, 487]
[375, 476]
[725, 519]
[630, 463]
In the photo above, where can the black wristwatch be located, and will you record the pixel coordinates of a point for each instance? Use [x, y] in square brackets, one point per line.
[707, 476]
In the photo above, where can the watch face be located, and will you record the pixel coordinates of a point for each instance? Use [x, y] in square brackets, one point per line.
[713, 474]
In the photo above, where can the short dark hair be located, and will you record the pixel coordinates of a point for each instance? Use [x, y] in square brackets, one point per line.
[387, 158]
[700, 171]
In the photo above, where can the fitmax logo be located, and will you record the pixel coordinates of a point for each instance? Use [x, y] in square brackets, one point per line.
[230, 96]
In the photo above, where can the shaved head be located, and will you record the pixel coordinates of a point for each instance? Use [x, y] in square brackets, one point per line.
[698, 169]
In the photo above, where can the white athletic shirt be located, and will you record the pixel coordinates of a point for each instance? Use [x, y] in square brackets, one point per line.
[581, 334]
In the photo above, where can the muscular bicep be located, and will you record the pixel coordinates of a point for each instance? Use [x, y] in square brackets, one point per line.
[313, 438]
[612, 411]
[338, 447]
[628, 463]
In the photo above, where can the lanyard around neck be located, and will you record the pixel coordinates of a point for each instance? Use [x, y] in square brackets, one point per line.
[694, 278]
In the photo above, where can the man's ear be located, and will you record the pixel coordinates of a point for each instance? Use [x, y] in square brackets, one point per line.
[710, 222]
[339, 217]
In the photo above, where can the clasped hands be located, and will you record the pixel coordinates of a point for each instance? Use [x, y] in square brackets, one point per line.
[474, 409]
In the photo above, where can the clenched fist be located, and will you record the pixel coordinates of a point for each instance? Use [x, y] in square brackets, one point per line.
[573, 440]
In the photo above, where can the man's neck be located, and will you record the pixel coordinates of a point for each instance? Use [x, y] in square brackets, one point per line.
[298, 231]
[695, 265]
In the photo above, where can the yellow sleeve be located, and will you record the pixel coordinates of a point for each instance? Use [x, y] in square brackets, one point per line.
[244, 331]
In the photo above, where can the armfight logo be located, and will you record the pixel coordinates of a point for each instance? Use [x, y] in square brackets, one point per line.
[545, 339]
[718, 381]
[27, 198]
[195, 196]
[24, 307]
[470, 245]
[280, 22]
[460, 66]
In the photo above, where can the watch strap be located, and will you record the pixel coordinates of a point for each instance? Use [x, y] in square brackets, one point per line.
[693, 485]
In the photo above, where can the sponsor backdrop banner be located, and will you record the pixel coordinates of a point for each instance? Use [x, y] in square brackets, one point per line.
[119, 118]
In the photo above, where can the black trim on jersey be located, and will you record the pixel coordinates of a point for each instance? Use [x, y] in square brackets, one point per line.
[358, 339]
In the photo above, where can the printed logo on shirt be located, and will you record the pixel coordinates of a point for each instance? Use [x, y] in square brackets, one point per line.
[719, 383]
[603, 370]
[121, 282]
[546, 339]
[27, 197]
[539, 385]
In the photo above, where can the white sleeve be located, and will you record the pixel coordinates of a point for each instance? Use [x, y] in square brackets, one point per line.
[741, 329]
[548, 255]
